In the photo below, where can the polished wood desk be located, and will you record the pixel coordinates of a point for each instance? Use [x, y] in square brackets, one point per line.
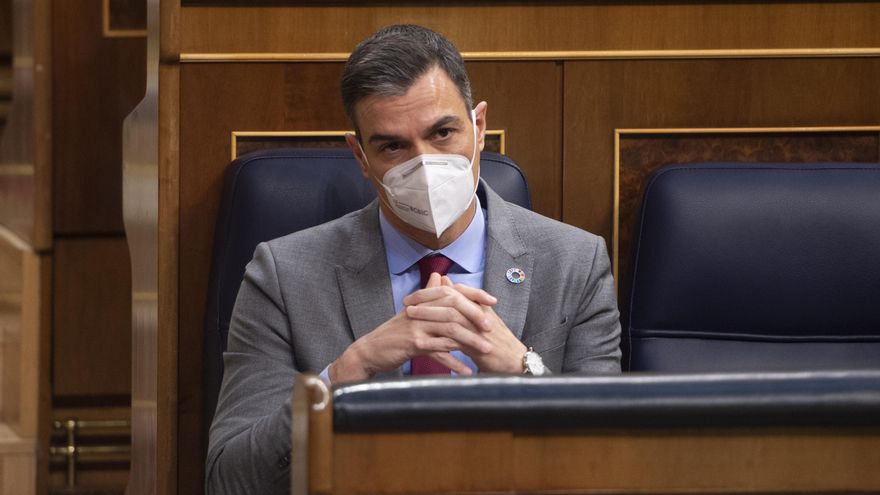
[768, 433]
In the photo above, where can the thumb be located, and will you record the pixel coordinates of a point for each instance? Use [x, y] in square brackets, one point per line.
[433, 281]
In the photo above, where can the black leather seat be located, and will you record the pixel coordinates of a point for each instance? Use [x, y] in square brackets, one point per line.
[632, 400]
[268, 194]
[757, 267]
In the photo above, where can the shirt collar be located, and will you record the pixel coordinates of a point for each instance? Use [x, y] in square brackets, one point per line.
[468, 251]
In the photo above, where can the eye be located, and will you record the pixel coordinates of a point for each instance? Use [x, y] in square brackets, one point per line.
[444, 132]
[391, 146]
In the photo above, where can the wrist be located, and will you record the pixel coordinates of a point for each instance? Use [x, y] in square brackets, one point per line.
[520, 365]
[348, 367]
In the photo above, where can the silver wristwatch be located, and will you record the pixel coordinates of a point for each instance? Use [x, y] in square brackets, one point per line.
[533, 364]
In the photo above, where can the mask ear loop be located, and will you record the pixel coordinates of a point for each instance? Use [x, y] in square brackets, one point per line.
[474, 120]
[474, 155]
[387, 189]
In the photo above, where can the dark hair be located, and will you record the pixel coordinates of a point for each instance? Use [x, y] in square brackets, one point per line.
[390, 61]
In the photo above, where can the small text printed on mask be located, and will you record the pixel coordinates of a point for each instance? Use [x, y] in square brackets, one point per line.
[410, 171]
[413, 209]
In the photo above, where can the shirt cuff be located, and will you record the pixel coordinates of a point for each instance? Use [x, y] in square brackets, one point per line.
[325, 376]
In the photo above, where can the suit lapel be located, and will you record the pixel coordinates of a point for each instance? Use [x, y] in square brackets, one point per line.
[505, 250]
[363, 277]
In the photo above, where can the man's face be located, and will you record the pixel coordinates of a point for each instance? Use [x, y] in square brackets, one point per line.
[430, 118]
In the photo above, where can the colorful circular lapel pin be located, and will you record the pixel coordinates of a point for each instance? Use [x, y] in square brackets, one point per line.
[516, 275]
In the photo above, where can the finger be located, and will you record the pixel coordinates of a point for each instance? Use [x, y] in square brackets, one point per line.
[439, 313]
[429, 344]
[449, 298]
[434, 280]
[448, 360]
[429, 293]
[478, 296]
[463, 337]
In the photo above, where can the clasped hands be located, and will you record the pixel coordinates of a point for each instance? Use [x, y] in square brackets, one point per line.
[436, 320]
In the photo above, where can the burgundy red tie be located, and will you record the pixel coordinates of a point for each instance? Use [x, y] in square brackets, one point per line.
[434, 263]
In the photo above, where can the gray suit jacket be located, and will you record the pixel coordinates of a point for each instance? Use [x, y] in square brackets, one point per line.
[307, 296]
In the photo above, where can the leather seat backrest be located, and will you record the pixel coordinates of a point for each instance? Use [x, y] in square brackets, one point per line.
[757, 266]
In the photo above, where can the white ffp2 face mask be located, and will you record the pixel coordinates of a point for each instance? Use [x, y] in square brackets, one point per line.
[431, 191]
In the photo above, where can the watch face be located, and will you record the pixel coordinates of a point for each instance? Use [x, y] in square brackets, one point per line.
[535, 364]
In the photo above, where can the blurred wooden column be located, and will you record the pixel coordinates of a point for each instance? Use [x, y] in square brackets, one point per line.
[149, 135]
[25, 257]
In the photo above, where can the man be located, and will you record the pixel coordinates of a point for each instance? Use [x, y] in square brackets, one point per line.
[356, 298]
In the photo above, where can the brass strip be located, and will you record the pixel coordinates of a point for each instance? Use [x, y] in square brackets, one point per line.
[615, 219]
[126, 33]
[16, 170]
[553, 55]
[107, 32]
[86, 424]
[13, 239]
[66, 452]
[618, 133]
[144, 296]
[753, 130]
[236, 134]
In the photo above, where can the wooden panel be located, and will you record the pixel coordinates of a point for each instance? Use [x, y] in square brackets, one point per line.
[5, 60]
[525, 100]
[25, 146]
[6, 28]
[95, 86]
[18, 473]
[24, 363]
[126, 15]
[23, 335]
[247, 142]
[420, 462]
[11, 295]
[704, 461]
[522, 26]
[601, 96]
[737, 460]
[92, 319]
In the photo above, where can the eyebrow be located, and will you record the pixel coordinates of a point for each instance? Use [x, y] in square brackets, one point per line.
[439, 124]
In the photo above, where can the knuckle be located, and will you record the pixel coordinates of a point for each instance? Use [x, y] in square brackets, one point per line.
[451, 329]
[420, 343]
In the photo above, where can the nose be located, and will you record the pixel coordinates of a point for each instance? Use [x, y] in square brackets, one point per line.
[421, 148]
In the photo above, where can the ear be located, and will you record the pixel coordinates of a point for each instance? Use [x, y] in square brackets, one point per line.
[352, 141]
[480, 121]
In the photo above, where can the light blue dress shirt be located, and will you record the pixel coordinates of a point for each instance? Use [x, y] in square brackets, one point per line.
[468, 254]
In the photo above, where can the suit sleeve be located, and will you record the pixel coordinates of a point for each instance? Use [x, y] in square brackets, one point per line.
[249, 446]
[594, 340]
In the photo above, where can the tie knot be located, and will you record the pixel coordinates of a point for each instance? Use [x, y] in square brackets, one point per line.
[434, 263]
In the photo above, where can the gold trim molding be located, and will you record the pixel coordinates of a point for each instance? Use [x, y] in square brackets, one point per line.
[272, 134]
[11, 238]
[552, 55]
[107, 32]
[618, 133]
